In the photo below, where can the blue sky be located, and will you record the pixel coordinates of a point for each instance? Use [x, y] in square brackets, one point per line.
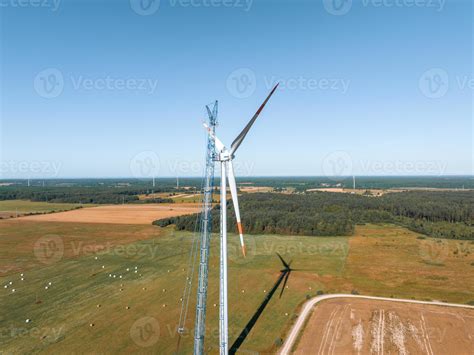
[370, 87]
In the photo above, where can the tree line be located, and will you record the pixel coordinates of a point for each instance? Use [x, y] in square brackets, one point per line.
[442, 214]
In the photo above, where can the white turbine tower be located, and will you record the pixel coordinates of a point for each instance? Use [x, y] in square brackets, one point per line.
[225, 157]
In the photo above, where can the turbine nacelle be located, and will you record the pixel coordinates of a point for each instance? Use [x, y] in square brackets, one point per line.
[225, 156]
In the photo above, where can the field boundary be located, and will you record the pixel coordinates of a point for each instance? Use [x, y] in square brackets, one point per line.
[308, 306]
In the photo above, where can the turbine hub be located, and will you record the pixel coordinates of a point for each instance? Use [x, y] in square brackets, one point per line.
[224, 156]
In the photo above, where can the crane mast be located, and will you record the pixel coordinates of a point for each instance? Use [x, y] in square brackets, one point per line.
[205, 237]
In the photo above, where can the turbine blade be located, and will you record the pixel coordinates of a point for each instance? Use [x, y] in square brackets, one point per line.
[235, 200]
[209, 113]
[219, 145]
[283, 262]
[236, 143]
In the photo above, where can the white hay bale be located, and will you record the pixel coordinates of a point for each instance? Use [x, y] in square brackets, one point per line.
[13, 290]
[28, 320]
[46, 287]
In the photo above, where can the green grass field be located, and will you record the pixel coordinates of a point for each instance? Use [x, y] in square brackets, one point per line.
[84, 310]
[24, 207]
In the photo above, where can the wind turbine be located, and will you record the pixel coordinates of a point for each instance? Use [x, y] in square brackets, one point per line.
[225, 157]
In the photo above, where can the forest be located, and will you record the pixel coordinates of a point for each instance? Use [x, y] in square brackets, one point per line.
[89, 191]
[441, 214]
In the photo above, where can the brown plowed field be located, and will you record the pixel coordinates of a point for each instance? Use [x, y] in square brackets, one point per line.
[360, 326]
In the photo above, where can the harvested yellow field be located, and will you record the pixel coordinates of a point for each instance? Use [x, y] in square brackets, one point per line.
[120, 214]
[255, 189]
[365, 326]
